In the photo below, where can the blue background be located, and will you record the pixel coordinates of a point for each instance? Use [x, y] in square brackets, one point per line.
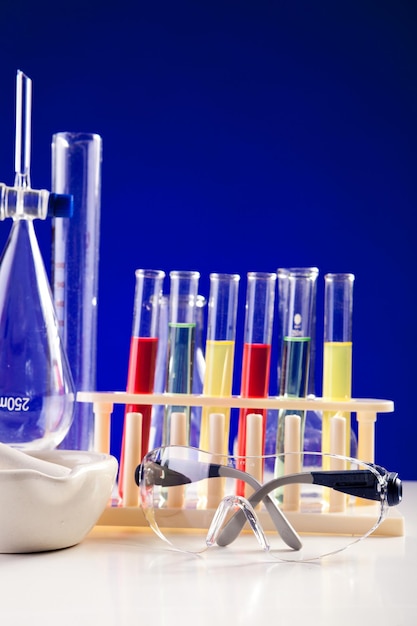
[239, 136]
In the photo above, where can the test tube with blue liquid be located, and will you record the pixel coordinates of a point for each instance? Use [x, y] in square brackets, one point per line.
[157, 422]
[181, 341]
[312, 429]
[296, 345]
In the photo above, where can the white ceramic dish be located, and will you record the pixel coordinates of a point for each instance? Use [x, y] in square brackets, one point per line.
[51, 499]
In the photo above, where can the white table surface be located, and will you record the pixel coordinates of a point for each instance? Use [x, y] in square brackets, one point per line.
[126, 576]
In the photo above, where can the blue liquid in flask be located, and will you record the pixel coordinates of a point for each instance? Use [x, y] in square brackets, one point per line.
[36, 388]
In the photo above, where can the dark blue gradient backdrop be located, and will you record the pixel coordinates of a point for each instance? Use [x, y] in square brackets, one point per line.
[239, 136]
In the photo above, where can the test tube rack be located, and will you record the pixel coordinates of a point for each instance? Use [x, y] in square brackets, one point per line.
[366, 411]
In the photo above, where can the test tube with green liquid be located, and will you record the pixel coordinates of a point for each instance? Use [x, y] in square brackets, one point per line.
[296, 344]
[181, 341]
[337, 349]
[220, 349]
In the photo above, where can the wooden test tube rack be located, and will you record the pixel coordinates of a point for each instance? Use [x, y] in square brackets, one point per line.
[366, 411]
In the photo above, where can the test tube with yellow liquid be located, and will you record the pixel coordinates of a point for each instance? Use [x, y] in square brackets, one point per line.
[337, 349]
[220, 350]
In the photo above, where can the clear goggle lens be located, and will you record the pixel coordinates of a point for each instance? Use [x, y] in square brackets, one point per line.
[193, 500]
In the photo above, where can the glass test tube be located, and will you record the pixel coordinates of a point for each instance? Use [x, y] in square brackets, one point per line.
[199, 369]
[76, 170]
[143, 351]
[337, 354]
[181, 341]
[260, 298]
[157, 422]
[296, 344]
[283, 283]
[158, 410]
[312, 426]
[283, 275]
[220, 349]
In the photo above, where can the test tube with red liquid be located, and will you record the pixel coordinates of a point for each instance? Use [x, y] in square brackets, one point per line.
[143, 350]
[260, 299]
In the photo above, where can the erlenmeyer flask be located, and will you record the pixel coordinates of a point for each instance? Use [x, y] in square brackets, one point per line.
[36, 388]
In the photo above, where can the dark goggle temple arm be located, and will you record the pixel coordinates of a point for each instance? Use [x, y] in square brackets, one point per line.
[360, 483]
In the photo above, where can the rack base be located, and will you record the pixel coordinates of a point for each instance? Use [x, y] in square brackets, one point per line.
[323, 523]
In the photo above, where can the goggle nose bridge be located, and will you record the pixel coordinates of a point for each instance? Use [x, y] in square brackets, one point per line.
[236, 503]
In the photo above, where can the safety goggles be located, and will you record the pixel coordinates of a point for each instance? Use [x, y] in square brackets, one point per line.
[299, 507]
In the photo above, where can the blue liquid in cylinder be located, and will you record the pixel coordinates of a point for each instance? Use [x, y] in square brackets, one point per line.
[295, 367]
[294, 381]
[181, 346]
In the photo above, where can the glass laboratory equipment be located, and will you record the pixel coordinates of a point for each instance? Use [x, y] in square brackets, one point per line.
[157, 421]
[312, 429]
[143, 351]
[158, 411]
[260, 299]
[296, 344]
[76, 170]
[181, 341]
[259, 317]
[199, 369]
[282, 284]
[220, 349]
[337, 349]
[36, 387]
[283, 275]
